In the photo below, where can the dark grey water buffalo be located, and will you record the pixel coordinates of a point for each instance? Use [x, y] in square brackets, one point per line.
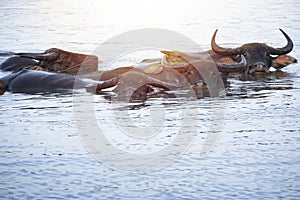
[17, 63]
[259, 57]
[32, 81]
[53, 60]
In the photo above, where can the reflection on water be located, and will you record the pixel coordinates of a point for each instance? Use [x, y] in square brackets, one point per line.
[260, 85]
[255, 156]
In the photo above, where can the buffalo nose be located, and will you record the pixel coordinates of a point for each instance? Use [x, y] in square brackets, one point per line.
[260, 66]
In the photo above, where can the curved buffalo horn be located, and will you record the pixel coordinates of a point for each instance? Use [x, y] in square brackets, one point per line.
[284, 50]
[50, 56]
[223, 51]
[7, 53]
[232, 67]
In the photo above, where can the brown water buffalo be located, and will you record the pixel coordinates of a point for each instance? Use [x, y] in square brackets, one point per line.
[53, 60]
[224, 64]
[139, 83]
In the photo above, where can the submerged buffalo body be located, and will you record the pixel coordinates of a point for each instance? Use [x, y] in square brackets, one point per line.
[53, 60]
[32, 81]
[17, 63]
[140, 83]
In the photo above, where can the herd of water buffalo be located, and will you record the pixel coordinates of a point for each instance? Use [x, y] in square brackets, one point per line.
[57, 70]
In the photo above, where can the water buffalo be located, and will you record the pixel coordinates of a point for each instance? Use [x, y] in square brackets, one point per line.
[139, 83]
[258, 57]
[17, 63]
[53, 60]
[32, 81]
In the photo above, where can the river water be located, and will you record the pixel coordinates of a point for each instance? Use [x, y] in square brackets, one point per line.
[242, 146]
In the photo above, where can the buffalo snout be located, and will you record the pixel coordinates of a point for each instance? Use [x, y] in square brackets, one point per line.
[258, 67]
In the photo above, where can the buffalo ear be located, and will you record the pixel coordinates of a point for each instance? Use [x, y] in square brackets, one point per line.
[283, 61]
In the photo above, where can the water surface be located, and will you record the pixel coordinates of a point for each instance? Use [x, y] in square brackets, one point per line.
[257, 151]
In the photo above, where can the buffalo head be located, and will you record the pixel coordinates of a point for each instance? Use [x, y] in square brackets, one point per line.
[258, 56]
[58, 60]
